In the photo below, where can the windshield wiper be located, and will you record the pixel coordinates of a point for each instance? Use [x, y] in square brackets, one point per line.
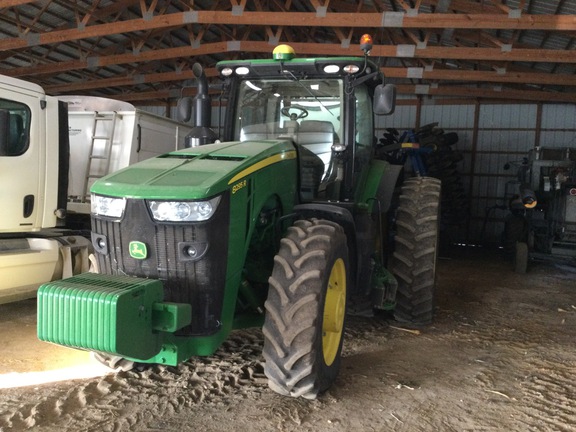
[308, 91]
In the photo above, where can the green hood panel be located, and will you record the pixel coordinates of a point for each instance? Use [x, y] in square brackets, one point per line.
[194, 173]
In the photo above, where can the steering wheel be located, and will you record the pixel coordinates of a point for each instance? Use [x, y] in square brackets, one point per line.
[294, 116]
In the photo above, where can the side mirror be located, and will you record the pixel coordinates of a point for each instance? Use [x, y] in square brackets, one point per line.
[384, 99]
[184, 109]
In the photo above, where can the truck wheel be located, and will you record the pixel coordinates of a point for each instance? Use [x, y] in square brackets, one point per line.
[521, 257]
[413, 262]
[515, 230]
[305, 309]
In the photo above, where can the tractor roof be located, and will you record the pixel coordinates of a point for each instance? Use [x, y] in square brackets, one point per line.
[308, 67]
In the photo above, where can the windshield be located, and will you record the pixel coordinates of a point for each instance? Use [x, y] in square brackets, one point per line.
[269, 108]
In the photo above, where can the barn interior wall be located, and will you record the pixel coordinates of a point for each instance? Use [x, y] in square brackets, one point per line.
[490, 136]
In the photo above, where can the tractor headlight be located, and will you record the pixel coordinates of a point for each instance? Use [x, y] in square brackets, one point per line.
[183, 211]
[107, 206]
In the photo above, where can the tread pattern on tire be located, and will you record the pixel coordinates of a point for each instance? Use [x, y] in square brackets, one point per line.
[416, 242]
[521, 256]
[294, 309]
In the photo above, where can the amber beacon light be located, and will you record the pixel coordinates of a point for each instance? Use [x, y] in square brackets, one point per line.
[366, 43]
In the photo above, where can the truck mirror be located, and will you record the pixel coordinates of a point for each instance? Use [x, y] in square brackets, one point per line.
[184, 109]
[4, 132]
[384, 99]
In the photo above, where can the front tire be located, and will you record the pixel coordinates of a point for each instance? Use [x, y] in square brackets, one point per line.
[305, 309]
[413, 262]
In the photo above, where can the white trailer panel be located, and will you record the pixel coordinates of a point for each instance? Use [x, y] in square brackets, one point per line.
[108, 135]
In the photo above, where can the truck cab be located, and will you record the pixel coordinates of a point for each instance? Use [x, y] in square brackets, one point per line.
[34, 178]
[27, 145]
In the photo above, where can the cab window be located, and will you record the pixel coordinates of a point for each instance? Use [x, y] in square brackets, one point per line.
[268, 108]
[14, 128]
[364, 127]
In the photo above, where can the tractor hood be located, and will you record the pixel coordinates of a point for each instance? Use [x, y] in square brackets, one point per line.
[194, 173]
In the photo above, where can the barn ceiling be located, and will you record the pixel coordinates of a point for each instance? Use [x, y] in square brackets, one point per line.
[142, 51]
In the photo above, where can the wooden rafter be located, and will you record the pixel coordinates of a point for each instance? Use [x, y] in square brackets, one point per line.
[405, 52]
[467, 6]
[302, 19]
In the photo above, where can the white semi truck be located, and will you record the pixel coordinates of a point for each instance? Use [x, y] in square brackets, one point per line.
[51, 150]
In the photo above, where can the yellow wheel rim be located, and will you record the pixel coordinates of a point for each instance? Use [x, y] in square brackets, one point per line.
[334, 311]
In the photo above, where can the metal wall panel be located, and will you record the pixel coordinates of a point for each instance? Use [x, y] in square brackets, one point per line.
[509, 141]
[558, 139]
[506, 132]
[449, 117]
[404, 117]
[507, 116]
[157, 110]
[558, 116]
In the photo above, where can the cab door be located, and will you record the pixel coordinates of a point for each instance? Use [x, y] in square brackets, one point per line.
[21, 171]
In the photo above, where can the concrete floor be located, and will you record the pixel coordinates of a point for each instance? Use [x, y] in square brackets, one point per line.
[499, 357]
[25, 359]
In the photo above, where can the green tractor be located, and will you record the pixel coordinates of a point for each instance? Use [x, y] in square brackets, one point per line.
[283, 219]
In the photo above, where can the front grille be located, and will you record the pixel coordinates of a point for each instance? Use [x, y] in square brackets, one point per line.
[199, 282]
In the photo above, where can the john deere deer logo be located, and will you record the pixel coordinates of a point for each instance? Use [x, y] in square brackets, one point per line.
[138, 250]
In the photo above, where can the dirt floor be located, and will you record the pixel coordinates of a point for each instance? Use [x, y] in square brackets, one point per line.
[500, 356]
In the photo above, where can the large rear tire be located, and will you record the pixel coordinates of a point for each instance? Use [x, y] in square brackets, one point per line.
[413, 262]
[305, 309]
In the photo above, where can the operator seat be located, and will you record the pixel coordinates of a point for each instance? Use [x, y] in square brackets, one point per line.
[318, 137]
[315, 139]
[270, 130]
[261, 131]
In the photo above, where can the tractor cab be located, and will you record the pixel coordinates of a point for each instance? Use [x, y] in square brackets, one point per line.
[324, 105]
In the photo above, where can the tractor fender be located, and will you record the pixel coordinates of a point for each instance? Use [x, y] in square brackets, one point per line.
[334, 213]
[339, 215]
[380, 184]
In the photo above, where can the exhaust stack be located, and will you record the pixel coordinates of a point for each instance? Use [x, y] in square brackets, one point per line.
[201, 133]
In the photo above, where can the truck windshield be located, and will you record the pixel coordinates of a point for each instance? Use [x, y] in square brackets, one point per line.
[269, 108]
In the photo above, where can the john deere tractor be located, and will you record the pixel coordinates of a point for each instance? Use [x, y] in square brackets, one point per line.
[281, 219]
